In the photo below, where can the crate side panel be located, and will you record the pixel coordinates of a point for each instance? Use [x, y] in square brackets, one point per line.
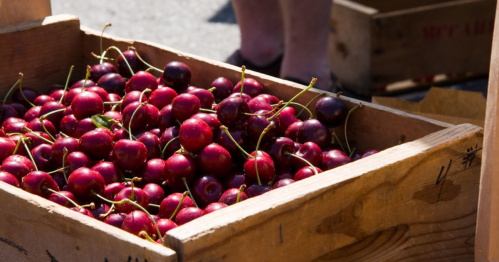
[43, 50]
[409, 203]
[447, 39]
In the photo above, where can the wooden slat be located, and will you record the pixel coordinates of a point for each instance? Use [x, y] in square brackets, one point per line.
[406, 203]
[18, 11]
[487, 238]
[43, 50]
[35, 229]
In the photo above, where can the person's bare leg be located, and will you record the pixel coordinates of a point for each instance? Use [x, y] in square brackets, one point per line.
[306, 28]
[260, 22]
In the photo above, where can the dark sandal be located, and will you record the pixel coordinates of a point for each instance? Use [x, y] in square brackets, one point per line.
[272, 69]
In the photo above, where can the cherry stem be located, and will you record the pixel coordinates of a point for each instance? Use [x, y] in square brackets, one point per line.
[132, 196]
[65, 153]
[99, 57]
[29, 153]
[124, 58]
[226, 130]
[142, 60]
[146, 236]
[310, 102]
[303, 108]
[102, 35]
[243, 68]
[125, 201]
[212, 89]
[113, 103]
[52, 112]
[312, 83]
[179, 205]
[17, 146]
[189, 190]
[12, 89]
[207, 110]
[154, 205]
[67, 82]
[353, 151]
[120, 125]
[87, 75]
[147, 90]
[108, 212]
[275, 106]
[57, 170]
[270, 126]
[27, 130]
[241, 190]
[304, 160]
[339, 142]
[346, 121]
[44, 128]
[131, 119]
[62, 134]
[167, 144]
[21, 89]
[67, 198]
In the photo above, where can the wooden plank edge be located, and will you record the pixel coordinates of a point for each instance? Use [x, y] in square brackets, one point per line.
[428, 8]
[36, 23]
[276, 201]
[356, 6]
[79, 220]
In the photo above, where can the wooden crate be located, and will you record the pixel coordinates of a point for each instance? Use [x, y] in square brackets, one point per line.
[411, 202]
[382, 46]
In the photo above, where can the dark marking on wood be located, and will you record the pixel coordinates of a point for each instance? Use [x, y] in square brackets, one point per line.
[52, 258]
[14, 245]
[129, 259]
[432, 194]
[77, 248]
[280, 232]
[105, 260]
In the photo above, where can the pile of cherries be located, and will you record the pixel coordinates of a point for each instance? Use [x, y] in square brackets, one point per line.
[148, 154]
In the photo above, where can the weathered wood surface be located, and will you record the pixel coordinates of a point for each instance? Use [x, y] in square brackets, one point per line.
[43, 50]
[17, 11]
[487, 236]
[401, 41]
[35, 229]
[413, 202]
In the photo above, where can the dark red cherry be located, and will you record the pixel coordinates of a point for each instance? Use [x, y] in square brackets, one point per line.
[229, 197]
[141, 81]
[283, 182]
[154, 171]
[206, 189]
[177, 75]
[112, 83]
[138, 221]
[179, 167]
[132, 60]
[129, 155]
[215, 160]
[195, 135]
[223, 88]
[84, 183]
[139, 197]
[170, 203]
[184, 106]
[232, 111]
[213, 207]
[36, 183]
[334, 158]
[251, 87]
[305, 172]
[188, 214]
[330, 111]
[99, 70]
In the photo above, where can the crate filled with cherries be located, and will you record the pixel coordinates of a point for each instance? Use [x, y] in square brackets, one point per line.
[149, 154]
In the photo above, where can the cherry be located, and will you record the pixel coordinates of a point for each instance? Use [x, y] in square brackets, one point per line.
[141, 81]
[250, 87]
[188, 214]
[184, 106]
[108, 171]
[154, 111]
[257, 123]
[57, 150]
[96, 144]
[170, 203]
[195, 135]
[99, 70]
[369, 153]
[211, 120]
[206, 98]
[9, 178]
[112, 189]
[104, 95]
[28, 94]
[286, 118]
[115, 219]
[223, 88]
[177, 75]
[169, 135]
[61, 198]
[20, 108]
[277, 150]
[314, 131]
[244, 96]
[83, 126]
[152, 143]
[154, 193]
[180, 167]
[230, 196]
[265, 165]
[112, 83]
[162, 97]
[283, 182]
[42, 100]
[32, 113]
[207, 189]
[87, 104]
[37, 182]
[334, 158]
[305, 172]
[36, 125]
[83, 211]
[259, 103]
[216, 160]
[310, 152]
[138, 221]
[232, 111]
[70, 95]
[99, 210]
[12, 120]
[256, 190]
[84, 183]
[165, 225]
[166, 118]
[76, 160]
[330, 111]
[58, 94]
[293, 130]
[131, 97]
[7, 147]
[41, 156]
[79, 84]
[154, 171]
[129, 155]
[15, 127]
[114, 98]
[213, 207]
[139, 197]
[224, 140]
[235, 180]
[35, 138]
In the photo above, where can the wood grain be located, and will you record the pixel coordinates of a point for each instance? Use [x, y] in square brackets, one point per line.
[387, 207]
[487, 239]
[13, 12]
